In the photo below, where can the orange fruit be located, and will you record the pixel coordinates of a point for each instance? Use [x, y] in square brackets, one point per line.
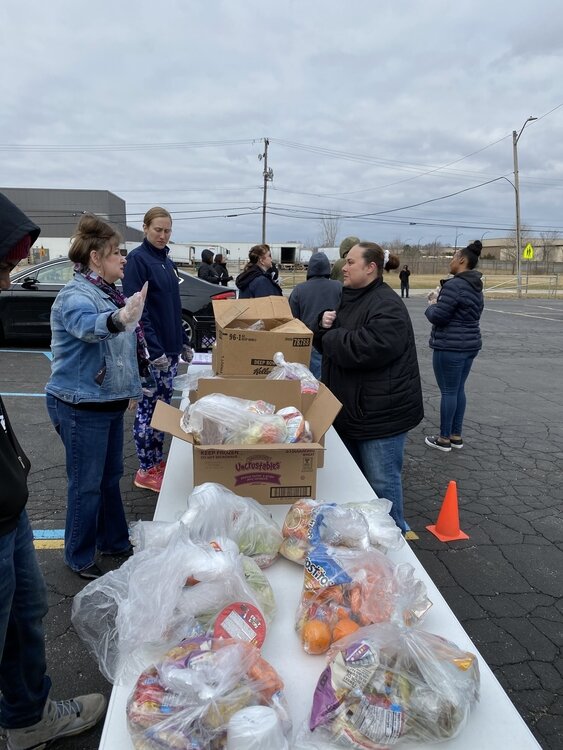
[343, 627]
[316, 636]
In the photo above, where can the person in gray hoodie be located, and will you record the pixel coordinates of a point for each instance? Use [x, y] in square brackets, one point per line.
[312, 297]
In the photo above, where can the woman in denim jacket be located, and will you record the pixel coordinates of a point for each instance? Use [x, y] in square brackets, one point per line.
[99, 354]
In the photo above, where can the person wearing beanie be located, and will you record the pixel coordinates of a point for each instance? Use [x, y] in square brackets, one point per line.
[29, 717]
[207, 271]
[455, 340]
[346, 244]
[313, 296]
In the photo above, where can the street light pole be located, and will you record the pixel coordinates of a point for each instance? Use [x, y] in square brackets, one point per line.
[515, 139]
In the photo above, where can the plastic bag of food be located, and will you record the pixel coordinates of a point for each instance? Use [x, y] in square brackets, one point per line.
[218, 419]
[387, 683]
[187, 699]
[293, 371]
[345, 589]
[214, 511]
[362, 526]
[160, 596]
[298, 429]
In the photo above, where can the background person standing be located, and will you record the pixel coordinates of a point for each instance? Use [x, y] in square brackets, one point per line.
[164, 334]
[220, 266]
[371, 366]
[311, 297]
[455, 340]
[254, 280]
[207, 270]
[404, 274]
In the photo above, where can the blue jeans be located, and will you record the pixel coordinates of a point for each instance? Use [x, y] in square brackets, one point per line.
[381, 462]
[316, 363]
[23, 605]
[451, 370]
[95, 518]
[148, 442]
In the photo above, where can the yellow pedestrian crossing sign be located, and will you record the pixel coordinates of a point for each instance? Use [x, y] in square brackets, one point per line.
[528, 253]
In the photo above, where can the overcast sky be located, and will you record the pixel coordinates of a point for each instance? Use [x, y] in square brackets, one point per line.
[371, 107]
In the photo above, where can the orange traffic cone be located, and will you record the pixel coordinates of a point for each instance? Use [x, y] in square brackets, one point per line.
[447, 526]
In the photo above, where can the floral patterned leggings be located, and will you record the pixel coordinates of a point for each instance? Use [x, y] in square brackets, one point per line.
[149, 442]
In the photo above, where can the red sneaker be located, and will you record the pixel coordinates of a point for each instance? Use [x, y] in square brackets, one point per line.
[160, 467]
[148, 479]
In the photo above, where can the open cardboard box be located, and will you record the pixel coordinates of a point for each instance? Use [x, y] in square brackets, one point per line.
[270, 473]
[242, 353]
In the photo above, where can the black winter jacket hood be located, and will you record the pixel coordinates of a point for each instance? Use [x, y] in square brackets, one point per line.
[14, 225]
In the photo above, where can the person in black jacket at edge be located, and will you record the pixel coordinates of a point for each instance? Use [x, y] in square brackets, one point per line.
[28, 716]
[370, 364]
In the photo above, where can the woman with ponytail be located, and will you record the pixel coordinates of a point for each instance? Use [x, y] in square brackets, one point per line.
[455, 340]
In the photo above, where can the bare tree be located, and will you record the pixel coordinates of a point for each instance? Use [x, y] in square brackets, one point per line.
[549, 242]
[330, 225]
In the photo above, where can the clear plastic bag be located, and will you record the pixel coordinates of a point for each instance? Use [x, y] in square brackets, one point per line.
[187, 699]
[214, 511]
[160, 596]
[293, 371]
[345, 589]
[360, 526]
[189, 380]
[387, 683]
[217, 419]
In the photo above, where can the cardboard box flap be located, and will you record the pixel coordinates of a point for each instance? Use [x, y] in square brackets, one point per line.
[278, 392]
[267, 308]
[227, 310]
[167, 419]
[322, 412]
[293, 326]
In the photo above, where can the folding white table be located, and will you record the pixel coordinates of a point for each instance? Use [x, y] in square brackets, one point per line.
[494, 721]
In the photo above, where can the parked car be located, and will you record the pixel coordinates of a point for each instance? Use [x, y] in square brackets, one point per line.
[25, 308]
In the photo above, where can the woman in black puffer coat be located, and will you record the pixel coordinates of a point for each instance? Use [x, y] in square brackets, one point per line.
[456, 341]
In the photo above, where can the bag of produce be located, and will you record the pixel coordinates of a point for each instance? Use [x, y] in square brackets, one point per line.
[218, 419]
[388, 683]
[345, 589]
[214, 511]
[188, 697]
[362, 526]
[160, 596]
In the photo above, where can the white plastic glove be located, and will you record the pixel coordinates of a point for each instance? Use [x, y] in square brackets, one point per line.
[161, 363]
[432, 297]
[328, 319]
[130, 315]
[187, 354]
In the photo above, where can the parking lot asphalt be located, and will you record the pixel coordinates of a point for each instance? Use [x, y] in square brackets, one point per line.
[505, 583]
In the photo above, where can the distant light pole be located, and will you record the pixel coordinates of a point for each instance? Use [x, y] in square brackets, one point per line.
[484, 233]
[456, 237]
[516, 186]
[435, 241]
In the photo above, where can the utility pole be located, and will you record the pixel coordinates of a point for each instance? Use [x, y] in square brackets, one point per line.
[268, 175]
[515, 139]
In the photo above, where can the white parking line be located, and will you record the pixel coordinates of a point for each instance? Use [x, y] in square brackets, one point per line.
[522, 315]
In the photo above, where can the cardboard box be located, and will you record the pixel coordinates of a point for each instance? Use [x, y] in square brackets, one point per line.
[242, 353]
[270, 473]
